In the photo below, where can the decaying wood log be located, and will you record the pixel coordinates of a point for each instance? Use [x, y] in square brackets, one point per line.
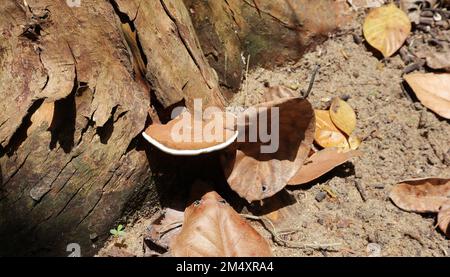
[78, 85]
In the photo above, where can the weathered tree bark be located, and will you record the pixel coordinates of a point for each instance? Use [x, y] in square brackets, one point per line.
[79, 84]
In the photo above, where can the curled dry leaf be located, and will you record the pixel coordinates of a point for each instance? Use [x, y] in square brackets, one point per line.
[193, 135]
[320, 163]
[259, 169]
[343, 115]
[444, 218]
[433, 91]
[421, 195]
[326, 133]
[212, 228]
[386, 29]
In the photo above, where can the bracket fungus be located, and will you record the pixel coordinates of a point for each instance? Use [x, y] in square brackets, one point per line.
[193, 134]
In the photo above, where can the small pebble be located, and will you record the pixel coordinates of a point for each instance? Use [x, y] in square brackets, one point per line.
[320, 221]
[418, 106]
[345, 97]
[357, 39]
[320, 196]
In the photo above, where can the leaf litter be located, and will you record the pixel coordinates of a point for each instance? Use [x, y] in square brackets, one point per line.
[343, 119]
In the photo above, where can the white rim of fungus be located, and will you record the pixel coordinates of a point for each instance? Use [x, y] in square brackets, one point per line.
[177, 152]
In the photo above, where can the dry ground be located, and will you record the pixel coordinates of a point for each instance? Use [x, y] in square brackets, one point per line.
[403, 140]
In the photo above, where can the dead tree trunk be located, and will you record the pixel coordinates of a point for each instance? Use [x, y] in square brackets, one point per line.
[80, 83]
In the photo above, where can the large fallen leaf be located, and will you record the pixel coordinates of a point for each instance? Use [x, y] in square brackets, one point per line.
[320, 163]
[421, 195]
[444, 218]
[326, 133]
[256, 171]
[386, 29]
[193, 135]
[343, 115]
[212, 228]
[433, 91]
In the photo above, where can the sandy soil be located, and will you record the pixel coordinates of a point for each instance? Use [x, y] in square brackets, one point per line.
[403, 140]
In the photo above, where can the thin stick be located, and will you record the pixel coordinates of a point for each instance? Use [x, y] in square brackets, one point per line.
[246, 78]
[361, 191]
[311, 82]
[268, 224]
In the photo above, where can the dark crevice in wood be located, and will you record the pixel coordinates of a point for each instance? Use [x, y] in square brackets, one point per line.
[125, 19]
[137, 141]
[105, 132]
[20, 135]
[63, 128]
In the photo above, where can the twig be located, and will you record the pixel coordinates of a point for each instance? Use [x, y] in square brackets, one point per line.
[170, 227]
[268, 224]
[361, 191]
[246, 72]
[311, 83]
[405, 92]
[246, 78]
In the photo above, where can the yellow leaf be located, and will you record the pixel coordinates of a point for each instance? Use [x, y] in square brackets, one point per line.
[327, 135]
[354, 142]
[386, 29]
[343, 116]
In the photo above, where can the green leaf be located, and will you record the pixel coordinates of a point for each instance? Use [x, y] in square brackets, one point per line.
[113, 231]
[120, 227]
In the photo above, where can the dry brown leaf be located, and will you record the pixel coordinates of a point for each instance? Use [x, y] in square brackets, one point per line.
[438, 60]
[421, 195]
[386, 29]
[164, 228]
[278, 92]
[343, 115]
[433, 91]
[321, 163]
[444, 218]
[255, 175]
[212, 228]
[327, 134]
[183, 136]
